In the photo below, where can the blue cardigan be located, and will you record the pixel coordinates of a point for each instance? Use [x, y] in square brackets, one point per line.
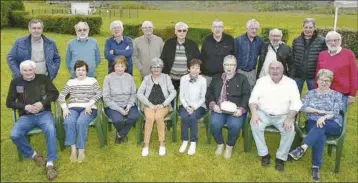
[119, 49]
[22, 51]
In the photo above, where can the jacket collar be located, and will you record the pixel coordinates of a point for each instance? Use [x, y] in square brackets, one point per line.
[313, 36]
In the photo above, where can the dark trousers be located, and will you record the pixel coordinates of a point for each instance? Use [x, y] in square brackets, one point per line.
[118, 119]
[190, 122]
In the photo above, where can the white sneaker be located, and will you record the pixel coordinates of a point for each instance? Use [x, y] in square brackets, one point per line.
[162, 150]
[219, 149]
[183, 146]
[192, 148]
[145, 151]
[228, 152]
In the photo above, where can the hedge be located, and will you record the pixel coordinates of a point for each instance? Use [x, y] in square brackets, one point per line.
[58, 23]
[6, 8]
[266, 30]
[349, 37]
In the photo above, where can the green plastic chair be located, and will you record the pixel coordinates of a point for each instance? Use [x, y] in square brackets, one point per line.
[171, 120]
[97, 122]
[332, 141]
[37, 130]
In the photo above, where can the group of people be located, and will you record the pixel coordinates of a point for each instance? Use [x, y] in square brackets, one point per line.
[228, 77]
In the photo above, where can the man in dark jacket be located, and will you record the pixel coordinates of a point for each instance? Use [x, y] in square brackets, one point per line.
[177, 54]
[215, 47]
[35, 47]
[306, 48]
[274, 50]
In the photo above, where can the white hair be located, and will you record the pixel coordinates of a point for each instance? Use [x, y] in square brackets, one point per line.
[217, 21]
[116, 23]
[181, 24]
[229, 58]
[85, 23]
[147, 22]
[28, 63]
[251, 22]
[157, 62]
[275, 30]
[276, 62]
[333, 33]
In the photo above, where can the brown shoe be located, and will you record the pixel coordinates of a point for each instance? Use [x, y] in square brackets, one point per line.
[39, 160]
[51, 172]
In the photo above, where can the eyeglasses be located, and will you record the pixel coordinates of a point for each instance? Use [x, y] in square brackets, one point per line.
[156, 67]
[82, 30]
[184, 30]
[325, 80]
[229, 65]
[333, 40]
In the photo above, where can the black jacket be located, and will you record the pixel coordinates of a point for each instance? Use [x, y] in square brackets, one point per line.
[283, 54]
[238, 90]
[213, 53]
[168, 53]
[305, 56]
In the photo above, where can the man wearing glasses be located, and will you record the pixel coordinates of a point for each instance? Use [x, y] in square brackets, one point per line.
[146, 47]
[342, 62]
[35, 47]
[177, 54]
[215, 47]
[118, 45]
[83, 48]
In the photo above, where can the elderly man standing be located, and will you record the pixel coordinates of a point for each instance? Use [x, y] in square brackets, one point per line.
[342, 62]
[32, 94]
[247, 50]
[118, 45]
[83, 48]
[38, 48]
[306, 48]
[215, 47]
[177, 54]
[146, 47]
[274, 50]
[274, 100]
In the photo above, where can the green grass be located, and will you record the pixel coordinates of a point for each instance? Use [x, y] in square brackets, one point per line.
[124, 162]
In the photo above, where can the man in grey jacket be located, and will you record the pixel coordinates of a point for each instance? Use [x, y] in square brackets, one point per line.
[146, 47]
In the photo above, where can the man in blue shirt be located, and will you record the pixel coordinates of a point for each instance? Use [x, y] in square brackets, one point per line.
[247, 50]
[118, 45]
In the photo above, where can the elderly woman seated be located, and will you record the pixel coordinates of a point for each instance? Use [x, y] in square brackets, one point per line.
[227, 98]
[119, 95]
[156, 92]
[322, 106]
[84, 93]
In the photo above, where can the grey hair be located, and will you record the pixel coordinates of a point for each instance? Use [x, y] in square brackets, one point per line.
[181, 24]
[28, 63]
[325, 73]
[251, 22]
[156, 62]
[276, 62]
[332, 33]
[229, 58]
[116, 22]
[85, 23]
[275, 30]
[147, 22]
[308, 20]
[35, 21]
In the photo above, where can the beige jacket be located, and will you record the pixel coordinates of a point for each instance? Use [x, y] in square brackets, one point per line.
[145, 50]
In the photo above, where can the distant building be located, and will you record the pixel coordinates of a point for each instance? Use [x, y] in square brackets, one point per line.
[82, 8]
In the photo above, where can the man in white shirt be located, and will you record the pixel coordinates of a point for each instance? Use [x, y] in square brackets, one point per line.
[275, 100]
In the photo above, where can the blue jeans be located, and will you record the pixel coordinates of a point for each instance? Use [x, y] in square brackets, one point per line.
[300, 82]
[316, 138]
[77, 124]
[190, 122]
[26, 123]
[217, 122]
[119, 120]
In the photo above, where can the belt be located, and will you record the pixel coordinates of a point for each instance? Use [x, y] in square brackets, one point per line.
[248, 70]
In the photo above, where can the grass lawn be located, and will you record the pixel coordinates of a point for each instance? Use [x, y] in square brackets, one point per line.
[124, 162]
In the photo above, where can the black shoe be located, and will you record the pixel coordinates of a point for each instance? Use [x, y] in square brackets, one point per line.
[297, 153]
[265, 161]
[315, 174]
[280, 165]
[125, 138]
[118, 139]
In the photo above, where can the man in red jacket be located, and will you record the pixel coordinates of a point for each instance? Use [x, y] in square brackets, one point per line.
[342, 62]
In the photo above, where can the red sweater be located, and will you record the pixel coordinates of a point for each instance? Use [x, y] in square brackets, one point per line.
[344, 68]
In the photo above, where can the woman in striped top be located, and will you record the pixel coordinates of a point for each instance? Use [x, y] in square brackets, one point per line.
[81, 110]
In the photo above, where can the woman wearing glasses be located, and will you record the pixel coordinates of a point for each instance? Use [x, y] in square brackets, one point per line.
[83, 48]
[156, 93]
[322, 106]
[177, 53]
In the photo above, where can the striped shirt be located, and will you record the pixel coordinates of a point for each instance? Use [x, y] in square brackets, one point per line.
[180, 67]
[82, 93]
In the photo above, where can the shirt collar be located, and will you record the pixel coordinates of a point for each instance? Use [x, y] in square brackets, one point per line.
[36, 41]
[78, 39]
[336, 53]
[247, 36]
[118, 40]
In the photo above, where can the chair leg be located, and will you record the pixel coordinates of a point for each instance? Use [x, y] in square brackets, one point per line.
[174, 126]
[329, 148]
[110, 127]
[105, 130]
[207, 127]
[99, 130]
[247, 137]
[339, 149]
[140, 129]
[60, 133]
